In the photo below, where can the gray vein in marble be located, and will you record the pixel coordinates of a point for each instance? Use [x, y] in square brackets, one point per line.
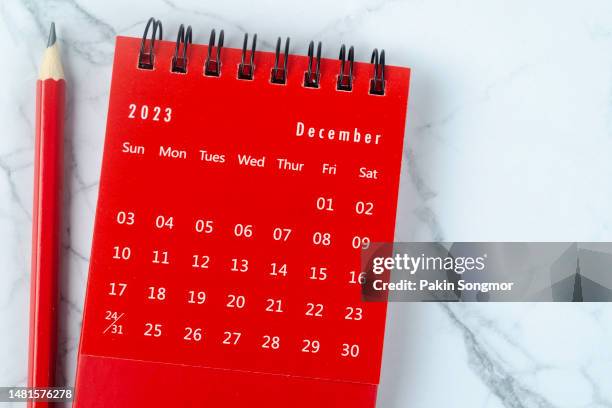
[8, 171]
[73, 307]
[483, 96]
[8, 22]
[74, 252]
[218, 18]
[27, 118]
[21, 382]
[21, 281]
[16, 34]
[426, 215]
[598, 399]
[72, 173]
[209, 15]
[72, 169]
[492, 372]
[423, 212]
[492, 326]
[84, 187]
[419, 182]
[597, 31]
[82, 48]
[345, 24]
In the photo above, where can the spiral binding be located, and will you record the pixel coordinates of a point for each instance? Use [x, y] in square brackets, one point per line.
[179, 64]
[345, 80]
[311, 79]
[146, 59]
[246, 68]
[377, 83]
[246, 71]
[279, 75]
[212, 67]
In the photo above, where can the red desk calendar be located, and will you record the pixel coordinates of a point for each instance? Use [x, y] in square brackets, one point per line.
[231, 212]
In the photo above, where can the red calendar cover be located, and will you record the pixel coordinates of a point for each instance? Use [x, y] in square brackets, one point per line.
[225, 268]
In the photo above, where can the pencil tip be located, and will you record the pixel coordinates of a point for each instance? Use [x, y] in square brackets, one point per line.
[52, 37]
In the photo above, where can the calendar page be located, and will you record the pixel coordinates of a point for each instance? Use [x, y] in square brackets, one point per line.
[225, 268]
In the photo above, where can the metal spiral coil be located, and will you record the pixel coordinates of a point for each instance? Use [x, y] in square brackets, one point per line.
[146, 58]
[279, 75]
[212, 67]
[345, 78]
[312, 76]
[179, 63]
[246, 71]
[377, 83]
[246, 67]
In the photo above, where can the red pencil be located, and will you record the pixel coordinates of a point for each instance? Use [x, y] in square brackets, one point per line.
[48, 174]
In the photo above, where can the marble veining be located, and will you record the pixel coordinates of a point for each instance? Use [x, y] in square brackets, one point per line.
[508, 138]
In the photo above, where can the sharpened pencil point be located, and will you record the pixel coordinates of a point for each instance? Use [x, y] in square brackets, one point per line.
[52, 37]
[51, 66]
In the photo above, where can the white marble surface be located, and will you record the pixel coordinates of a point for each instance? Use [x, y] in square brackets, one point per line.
[509, 137]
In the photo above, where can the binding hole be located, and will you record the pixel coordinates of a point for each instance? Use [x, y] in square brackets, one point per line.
[311, 79]
[246, 71]
[179, 63]
[377, 83]
[146, 58]
[212, 67]
[345, 78]
[279, 75]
